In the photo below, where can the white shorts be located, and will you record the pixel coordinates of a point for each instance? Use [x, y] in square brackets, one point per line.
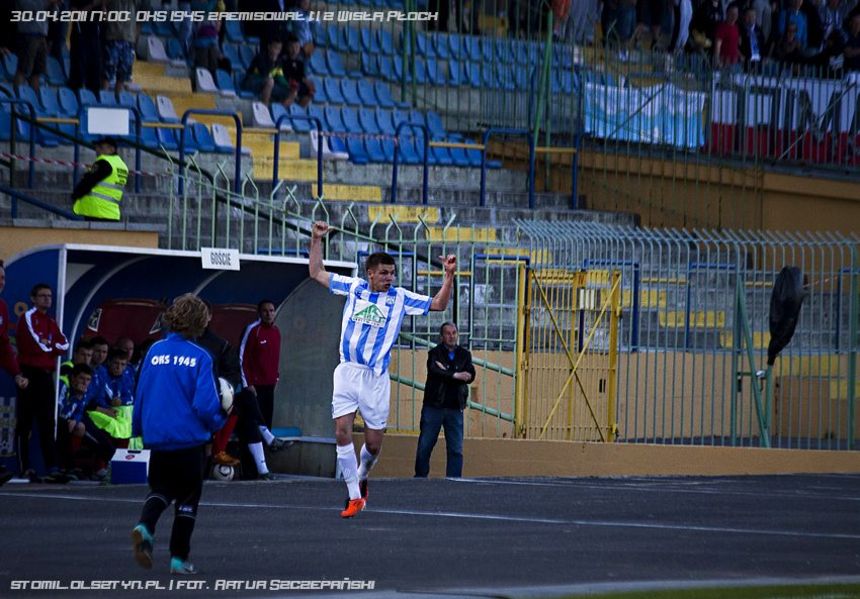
[357, 387]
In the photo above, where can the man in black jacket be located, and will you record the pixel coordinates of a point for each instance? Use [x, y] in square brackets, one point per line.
[449, 371]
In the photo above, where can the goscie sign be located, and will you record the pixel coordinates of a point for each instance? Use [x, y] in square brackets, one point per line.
[220, 259]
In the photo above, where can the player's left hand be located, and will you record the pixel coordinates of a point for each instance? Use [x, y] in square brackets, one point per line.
[450, 264]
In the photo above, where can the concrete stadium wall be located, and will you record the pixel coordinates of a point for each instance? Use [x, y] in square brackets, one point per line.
[508, 457]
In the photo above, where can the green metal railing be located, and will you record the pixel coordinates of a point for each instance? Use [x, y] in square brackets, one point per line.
[694, 307]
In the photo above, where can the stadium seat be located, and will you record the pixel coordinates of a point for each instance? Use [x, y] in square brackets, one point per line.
[167, 139]
[383, 95]
[225, 83]
[155, 49]
[231, 53]
[334, 63]
[433, 74]
[299, 126]
[87, 98]
[386, 41]
[424, 45]
[234, 32]
[370, 42]
[369, 65]
[350, 120]
[175, 51]
[107, 98]
[383, 121]
[442, 46]
[202, 138]
[246, 53]
[352, 40]
[260, 116]
[357, 153]
[334, 119]
[350, 92]
[10, 66]
[331, 88]
[327, 152]
[456, 75]
[148, 111]
[28, 94]
[366, 93]
[386, 68]
[68, 102]
[222, 140]
[54, 71]
[375, 153]
[205, 82]
[166, 111]
[455, 42]
[317, 64]
[367, 120]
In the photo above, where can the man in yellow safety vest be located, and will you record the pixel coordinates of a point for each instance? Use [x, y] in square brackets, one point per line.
[99, 193]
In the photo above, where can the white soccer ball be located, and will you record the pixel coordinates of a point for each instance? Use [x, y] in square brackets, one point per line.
[223, 472]
[225, 390]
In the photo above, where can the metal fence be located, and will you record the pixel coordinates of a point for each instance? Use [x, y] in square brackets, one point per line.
[685, 357]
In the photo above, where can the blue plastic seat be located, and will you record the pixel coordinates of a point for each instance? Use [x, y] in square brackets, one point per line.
[488, 49]
[335, 66]
[434, 76]
[357, 152]
[386, 68]
[367, 120]
[54, 72]
[456, 74]
[107, 98]
[350, 120]
[224, 81]
[435, 126]
[425, 46]
[383, 95]
[317, 64]
[408, 152]
[472, 47]
[331, 37]
[352, 40]
[441, 156]
[10, 66]
[87, 98]
[369, 65]
[234, 32]
[369, 41]
[331, 88]
[231, 53]
[374, 151]
[366, 93]
[175, 50]
[334, 119]
[167, 139]
[442, 46]
[455, 43]
[68, 102]
[349, 88]
[399, 70]
[203, 138]
[383, 121]
[386, 41]
[246, 54]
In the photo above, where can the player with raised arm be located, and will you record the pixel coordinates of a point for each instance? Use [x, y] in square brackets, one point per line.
[372, 316]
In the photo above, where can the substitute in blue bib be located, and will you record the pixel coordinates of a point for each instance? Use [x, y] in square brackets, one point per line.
[372, 315]
[99, 193]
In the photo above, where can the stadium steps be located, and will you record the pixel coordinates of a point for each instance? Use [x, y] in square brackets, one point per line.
[152, 77]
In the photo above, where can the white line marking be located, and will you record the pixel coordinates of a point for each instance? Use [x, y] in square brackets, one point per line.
[492, 517]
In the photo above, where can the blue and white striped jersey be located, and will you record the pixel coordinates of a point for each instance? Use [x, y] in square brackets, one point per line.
[371, 320]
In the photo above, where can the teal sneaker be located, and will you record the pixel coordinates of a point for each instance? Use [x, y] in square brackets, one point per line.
[182, 567]
[141, 544]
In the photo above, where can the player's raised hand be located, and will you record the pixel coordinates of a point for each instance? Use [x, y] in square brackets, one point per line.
[450, 264]
[319, 229]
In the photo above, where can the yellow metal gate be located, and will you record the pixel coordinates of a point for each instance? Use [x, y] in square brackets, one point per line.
[568, 355]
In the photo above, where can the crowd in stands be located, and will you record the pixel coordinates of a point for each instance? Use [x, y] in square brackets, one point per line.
[750, 34]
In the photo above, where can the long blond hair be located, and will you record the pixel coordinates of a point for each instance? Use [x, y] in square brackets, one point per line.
[187, 315]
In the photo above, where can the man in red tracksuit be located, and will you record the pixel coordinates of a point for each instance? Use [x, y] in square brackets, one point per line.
[8, 359]
[40, 343]
[259, 354]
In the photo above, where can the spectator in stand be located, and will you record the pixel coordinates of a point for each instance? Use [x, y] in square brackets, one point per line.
[8, 359]
[301, 88]
[682, 17]
[267, 76]
[86, 49]
[58, 32]
[207, 54]
[705, 20]
[33, 43]
[788, 50]
[752, 40]
[727, 51]
[40, 343]
[814, 28]
[259, 357]
[82, 355]
[852, 46]
[764, 14]
[832, 15]
[618, 19]
[118, 49]
[302, 28]
[793, 15]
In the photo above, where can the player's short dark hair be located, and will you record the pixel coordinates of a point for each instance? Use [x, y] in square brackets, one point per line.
[38, 287]
[117, 354]
[377, 258]
[80, 369]
[99, 341]
[447, 324]
[84, 344]
[262, 303]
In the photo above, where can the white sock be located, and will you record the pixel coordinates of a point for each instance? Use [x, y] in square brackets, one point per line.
[349, 468]
[268, 437]
[259, 457]
[368, 461]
